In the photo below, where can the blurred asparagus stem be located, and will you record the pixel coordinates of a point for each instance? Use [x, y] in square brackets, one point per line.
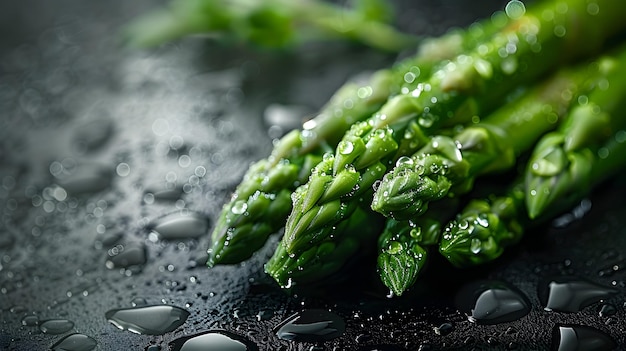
[271, 23]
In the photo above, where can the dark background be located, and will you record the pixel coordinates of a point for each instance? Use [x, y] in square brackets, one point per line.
[191, 113]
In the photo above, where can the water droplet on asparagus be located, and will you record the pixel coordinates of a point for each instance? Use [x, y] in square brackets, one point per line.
[148, 320]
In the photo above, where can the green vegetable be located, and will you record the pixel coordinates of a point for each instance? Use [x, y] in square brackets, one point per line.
[529, 46]
[484, 228]
[328, 257]
[271, 23]
[403, 247]
[447, 166]
[562, 163]
[243, 227]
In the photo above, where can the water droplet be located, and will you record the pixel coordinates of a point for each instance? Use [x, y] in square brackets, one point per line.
[75, 342]
[180, 225]
[30, 321]
[345, 147]
[122, 169]
[426, 120]
[217, 340]
[92, 135]
[444, 329]
[311, 325]
[148, 320]
[515, 9]
[579, 337]
[127, 256]
[56, 326]
[83, 178]
[239, 207]
[168, 192]
[395, 247]
[404, 160]
[571, 294]
[492, 302]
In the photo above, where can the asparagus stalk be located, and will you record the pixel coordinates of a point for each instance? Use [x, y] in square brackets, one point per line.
[529, 46]
[448, 165]
[403, 247]
[328, 257]
[484, 228]
[243, 226]
[561, 164]
[271, 23]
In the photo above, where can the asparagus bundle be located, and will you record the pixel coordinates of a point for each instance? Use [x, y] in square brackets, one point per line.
[449, 165]
[525, 49]
[261, 202]
[271, 23]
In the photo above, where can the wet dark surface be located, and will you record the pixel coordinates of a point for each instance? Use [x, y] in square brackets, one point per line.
[115, 162]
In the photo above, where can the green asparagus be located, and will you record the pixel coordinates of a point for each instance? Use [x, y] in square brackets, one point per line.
[403, 247]
[328, 257]
[484, 228]
[530, 45]
[294, 155]
[271, 23]
[448, 165]
[561, 164]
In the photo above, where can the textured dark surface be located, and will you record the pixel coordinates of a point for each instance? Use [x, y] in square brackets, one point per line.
[190, 114]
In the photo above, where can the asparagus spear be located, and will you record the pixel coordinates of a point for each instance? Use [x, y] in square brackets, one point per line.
[484, 228]
[528, 47]
[403, 247]
[448, 165]
[243, 227]
[271, 23]
[327, 258]
[561, 163]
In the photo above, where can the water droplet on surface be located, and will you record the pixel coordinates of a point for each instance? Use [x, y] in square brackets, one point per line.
[148, 320]
[84, 178]
[56, 326]
[492, 302]
[92, 135]
[312, 325]
[571, 294]
[180, 225]
[30, 321]
[217, 340]
[168, 192]
[579, 338]
[126, 256]
[75, 342]
[444, 329]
